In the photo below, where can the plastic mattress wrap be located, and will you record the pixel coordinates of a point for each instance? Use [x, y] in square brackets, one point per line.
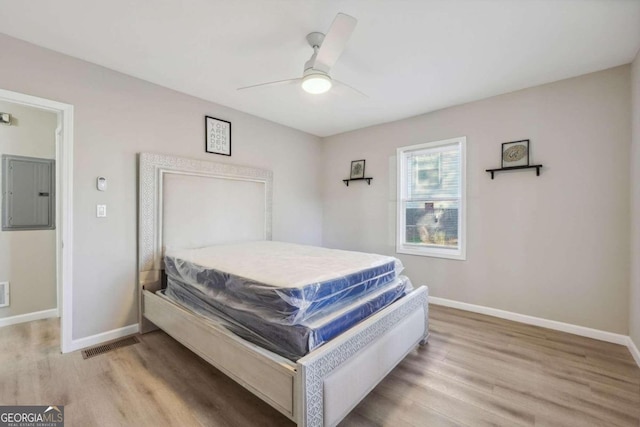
[281, 283]
[289, 341]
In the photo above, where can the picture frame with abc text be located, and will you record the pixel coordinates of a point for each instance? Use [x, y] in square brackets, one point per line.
[218, 136]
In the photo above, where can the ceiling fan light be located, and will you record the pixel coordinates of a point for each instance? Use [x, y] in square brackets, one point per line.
[316, 83]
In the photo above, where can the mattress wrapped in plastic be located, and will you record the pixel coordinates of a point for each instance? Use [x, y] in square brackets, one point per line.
[290, 341]
[280, 282]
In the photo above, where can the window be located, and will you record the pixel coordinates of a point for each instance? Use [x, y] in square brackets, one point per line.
[431, 199]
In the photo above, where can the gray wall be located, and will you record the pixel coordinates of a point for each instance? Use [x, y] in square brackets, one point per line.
[634, 298]
[118, 116]
[554, 246]
[28, 258]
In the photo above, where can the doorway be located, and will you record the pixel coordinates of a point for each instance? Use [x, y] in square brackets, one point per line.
[63, 205]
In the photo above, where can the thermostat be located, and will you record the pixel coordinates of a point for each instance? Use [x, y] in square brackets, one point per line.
[102, 183]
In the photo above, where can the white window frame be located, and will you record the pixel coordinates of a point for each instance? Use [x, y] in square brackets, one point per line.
[460, 253]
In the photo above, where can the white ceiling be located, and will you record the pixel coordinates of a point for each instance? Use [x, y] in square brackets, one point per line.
[410, 57]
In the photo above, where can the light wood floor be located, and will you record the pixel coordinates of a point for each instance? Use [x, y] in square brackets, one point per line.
[475, 371]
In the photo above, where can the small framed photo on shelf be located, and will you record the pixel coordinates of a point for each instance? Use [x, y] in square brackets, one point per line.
[357, 169]
[218, 136]
[515, 153]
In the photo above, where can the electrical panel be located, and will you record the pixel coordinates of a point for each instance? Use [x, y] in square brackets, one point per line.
[28, 186]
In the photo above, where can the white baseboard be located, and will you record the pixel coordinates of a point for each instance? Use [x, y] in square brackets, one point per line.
[536, 321]
[114, 334]
[634, 350]
[21, 318]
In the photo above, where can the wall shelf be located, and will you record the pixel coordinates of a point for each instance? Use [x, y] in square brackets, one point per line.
[346, 181]
[537, 168]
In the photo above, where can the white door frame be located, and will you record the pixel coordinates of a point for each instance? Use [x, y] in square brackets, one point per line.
[64, 206]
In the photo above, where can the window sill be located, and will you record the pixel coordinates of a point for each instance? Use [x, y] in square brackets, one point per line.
[455, 254]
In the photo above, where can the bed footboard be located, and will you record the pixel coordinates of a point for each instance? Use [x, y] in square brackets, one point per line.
[338, 375]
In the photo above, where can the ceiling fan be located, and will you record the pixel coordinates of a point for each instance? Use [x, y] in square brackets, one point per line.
[327, 48]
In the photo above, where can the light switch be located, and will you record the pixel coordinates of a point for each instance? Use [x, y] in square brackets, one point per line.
[101, 211]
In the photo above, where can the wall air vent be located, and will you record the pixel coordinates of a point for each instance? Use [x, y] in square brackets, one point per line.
[4, 294]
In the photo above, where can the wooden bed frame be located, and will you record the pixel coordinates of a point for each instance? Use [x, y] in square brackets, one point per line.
[319, 389]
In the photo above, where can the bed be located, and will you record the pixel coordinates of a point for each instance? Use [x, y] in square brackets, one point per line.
[337, 349]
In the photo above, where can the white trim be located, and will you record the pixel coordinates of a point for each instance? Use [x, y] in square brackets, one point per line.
[438, 252]
[634, 350]
[22, 318]
[536, 321]
[104, 337]
[64, 205]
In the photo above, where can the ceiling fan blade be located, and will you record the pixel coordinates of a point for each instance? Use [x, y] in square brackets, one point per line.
[334, 42]
[344, 85]
[276, 83]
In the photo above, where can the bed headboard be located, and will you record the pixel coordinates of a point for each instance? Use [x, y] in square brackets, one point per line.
[195, 203]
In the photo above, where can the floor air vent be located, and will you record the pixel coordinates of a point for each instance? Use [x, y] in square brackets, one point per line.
[101, 349]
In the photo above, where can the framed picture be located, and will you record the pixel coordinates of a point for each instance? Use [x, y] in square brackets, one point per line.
[218, 136]
[515, 153]
[357, 169]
